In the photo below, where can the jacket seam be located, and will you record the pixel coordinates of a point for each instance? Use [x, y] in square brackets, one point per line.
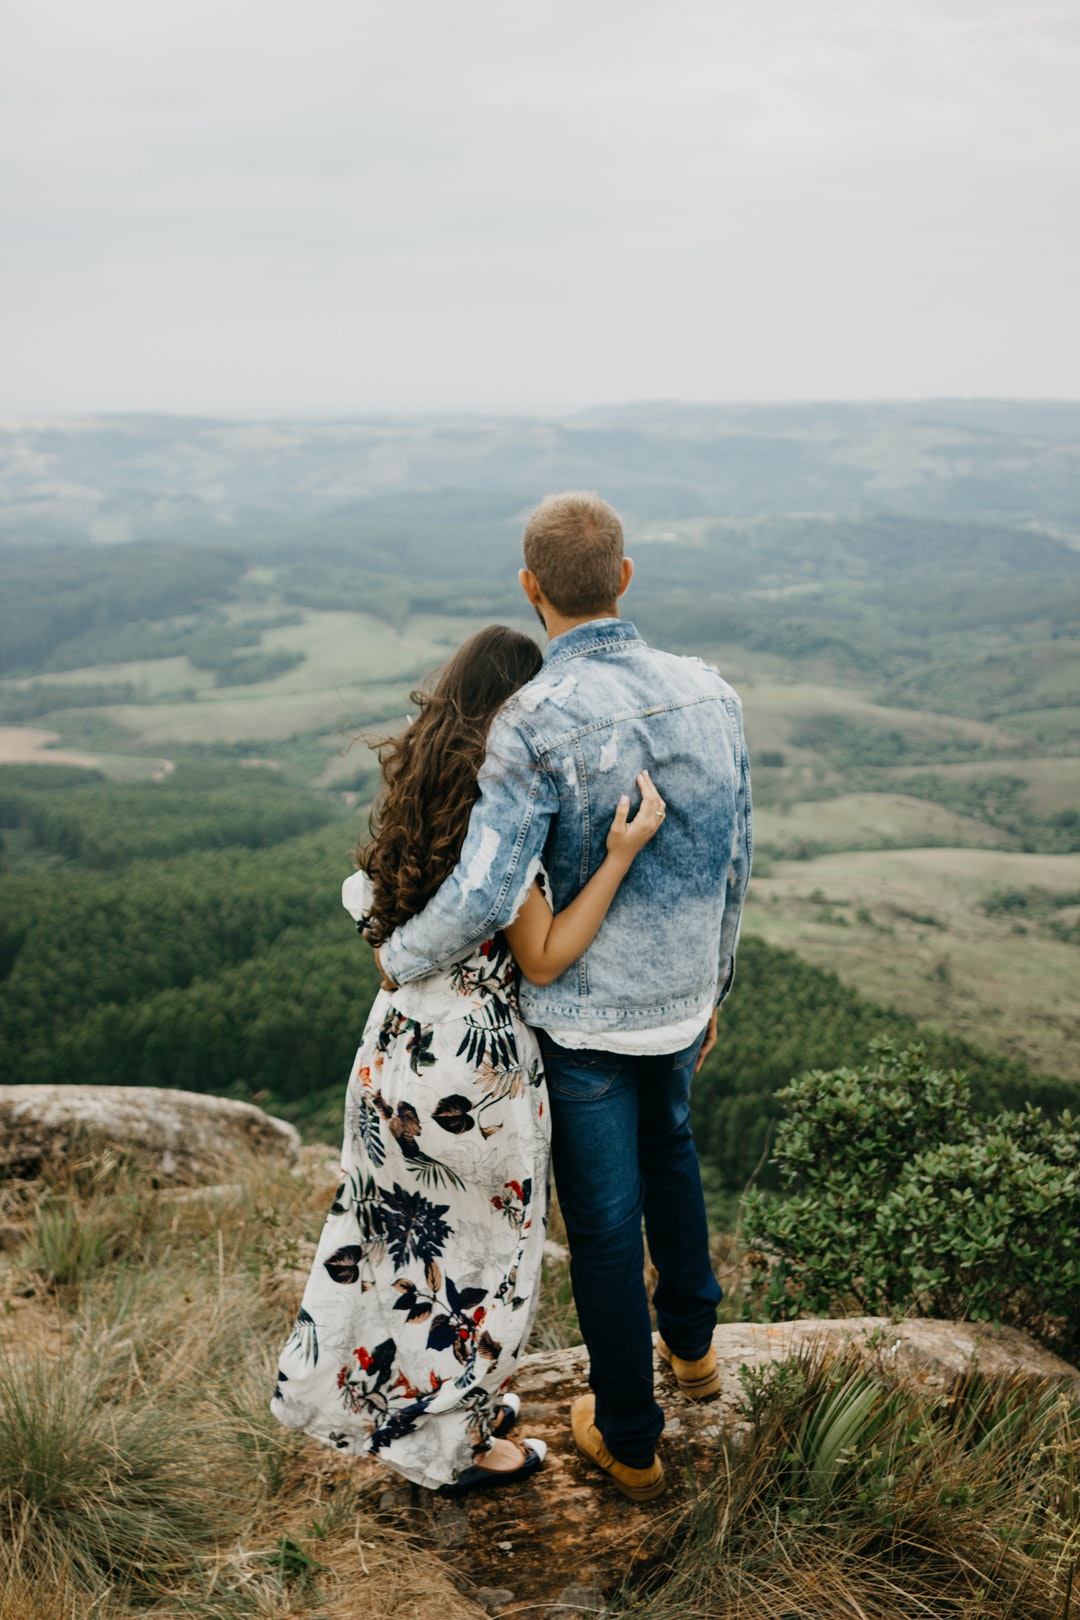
[566, 739]
[736, 730]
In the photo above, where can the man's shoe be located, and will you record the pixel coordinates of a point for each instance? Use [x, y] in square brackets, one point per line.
[697, 1380]
[639, 1484]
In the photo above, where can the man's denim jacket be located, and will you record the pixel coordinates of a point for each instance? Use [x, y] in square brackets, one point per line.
[560, 752]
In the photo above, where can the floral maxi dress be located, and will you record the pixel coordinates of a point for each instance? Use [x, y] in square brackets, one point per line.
[427, 1273]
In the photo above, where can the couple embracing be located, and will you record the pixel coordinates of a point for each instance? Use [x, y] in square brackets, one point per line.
[560, 853]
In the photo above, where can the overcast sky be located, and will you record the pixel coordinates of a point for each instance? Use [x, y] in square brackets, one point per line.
[335, 206]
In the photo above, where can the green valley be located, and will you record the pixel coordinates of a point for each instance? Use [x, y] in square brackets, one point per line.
[185, 723]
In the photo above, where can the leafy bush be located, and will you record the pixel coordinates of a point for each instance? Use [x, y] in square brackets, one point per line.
[901, 1200]
[787, 1015]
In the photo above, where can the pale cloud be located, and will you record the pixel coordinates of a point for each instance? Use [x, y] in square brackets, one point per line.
[241, 207]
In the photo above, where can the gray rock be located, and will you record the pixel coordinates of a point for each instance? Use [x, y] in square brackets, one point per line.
[396, 1498]
[493, 1599]
[578, 1602]
[921, 1350]
[182, 1137]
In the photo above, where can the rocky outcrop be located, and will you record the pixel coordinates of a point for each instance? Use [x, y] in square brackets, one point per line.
[561, 1543]
[181, 1138]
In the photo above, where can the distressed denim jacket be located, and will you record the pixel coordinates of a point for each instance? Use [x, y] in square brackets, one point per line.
[560, 752]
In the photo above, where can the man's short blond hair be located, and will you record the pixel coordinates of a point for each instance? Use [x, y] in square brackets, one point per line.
[574, 545]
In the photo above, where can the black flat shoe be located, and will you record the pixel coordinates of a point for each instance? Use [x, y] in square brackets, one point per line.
[483, 1479]
[507, 1412]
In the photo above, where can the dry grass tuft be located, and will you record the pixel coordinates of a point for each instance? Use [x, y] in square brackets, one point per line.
[141, 1473]
[853, 1496]
[51, 1594]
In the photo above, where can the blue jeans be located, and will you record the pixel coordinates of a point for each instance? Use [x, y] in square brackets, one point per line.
[622, 1147]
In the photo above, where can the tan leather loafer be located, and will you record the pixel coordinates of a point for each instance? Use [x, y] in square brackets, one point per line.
[697, 1380]
[639, 1484]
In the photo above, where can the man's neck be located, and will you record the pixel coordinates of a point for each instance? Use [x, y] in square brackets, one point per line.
[556, 625]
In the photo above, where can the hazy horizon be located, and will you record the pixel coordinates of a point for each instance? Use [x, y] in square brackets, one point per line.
[315, 416]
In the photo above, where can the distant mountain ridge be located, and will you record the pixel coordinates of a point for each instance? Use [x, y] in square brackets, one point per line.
[121, 478]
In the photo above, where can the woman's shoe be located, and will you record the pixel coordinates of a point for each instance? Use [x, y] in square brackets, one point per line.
[507, 1412]
[482, 1479]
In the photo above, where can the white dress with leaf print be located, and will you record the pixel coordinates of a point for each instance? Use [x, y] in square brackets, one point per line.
[426, 1277]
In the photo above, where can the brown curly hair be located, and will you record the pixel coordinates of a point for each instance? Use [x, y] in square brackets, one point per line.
[419, 820]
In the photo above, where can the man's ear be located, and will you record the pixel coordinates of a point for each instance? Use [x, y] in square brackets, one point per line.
[531, 586]
[626, 576]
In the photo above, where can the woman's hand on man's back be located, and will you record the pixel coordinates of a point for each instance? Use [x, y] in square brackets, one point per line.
[627, 837]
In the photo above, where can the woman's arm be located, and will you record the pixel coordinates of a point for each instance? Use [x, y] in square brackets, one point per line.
[508, 826]
[544, 945]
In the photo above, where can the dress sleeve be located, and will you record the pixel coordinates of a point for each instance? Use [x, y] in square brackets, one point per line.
[358, 896]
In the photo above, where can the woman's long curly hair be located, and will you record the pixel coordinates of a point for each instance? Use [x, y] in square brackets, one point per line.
[419, 820]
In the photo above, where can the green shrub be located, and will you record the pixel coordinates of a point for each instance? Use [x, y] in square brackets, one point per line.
[900, 1200]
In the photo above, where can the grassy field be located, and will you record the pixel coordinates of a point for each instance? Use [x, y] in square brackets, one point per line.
[141, 1473]
[855, 821]
[353, 670]
[1052, 784]
[924, 930]
[152, 678]
[772, 708]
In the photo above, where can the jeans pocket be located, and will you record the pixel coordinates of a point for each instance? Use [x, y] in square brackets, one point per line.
[581, 1075]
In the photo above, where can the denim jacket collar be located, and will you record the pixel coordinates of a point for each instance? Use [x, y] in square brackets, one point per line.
[594, 634]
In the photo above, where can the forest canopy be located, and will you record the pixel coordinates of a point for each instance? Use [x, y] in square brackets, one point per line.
[144, 957]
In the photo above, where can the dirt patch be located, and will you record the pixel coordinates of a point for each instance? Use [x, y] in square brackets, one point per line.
[21, 745]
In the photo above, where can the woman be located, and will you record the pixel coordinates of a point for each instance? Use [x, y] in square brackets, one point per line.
[427, 1275]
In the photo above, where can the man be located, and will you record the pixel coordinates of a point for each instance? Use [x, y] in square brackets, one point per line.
[623, 1030]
